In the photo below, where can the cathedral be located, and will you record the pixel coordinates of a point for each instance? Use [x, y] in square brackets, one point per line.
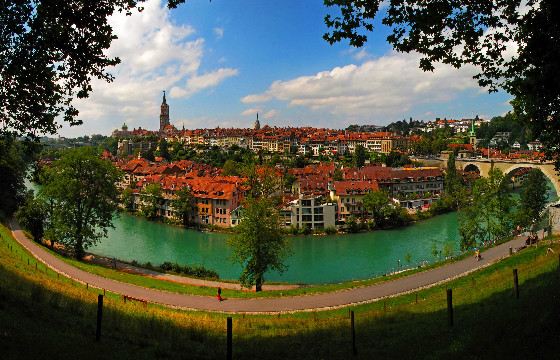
[164, 115]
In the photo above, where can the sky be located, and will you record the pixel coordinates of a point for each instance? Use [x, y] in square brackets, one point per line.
[222, 61]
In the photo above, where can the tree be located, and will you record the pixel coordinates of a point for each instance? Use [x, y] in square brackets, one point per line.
[488, 217]
[479, 33]
[32, 215]
[82, 190]
[360, 156]
[259, 245]
[377, 202]
[49, 53]
[184, 205]
[455, 191]
[12, 169]
[533, 197]
[127, 199]
[163, 150]
[151, 197]
[230, 168]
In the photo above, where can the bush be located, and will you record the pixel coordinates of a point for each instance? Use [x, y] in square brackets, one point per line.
[195, 270]
[331, 230]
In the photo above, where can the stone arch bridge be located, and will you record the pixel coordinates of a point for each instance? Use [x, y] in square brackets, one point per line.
[484, 165]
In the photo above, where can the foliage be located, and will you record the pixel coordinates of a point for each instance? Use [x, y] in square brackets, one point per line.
[12, 169]
[195, 270]
[81, 188]
[377, 203]
[533, 197]
[478, 33]
[330, 230]
[184, 205]
[259, 245]
[127, 199]
[151, 197]
[33, 216]
[163, 150]
[230, 168]
[360, 155]
[397, 159]
[489, 216]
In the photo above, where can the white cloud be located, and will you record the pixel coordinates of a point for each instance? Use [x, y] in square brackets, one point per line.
[270, 114]
[251, 112]
[219, 32]
[156, 54]
[197, 83]
[384, 87]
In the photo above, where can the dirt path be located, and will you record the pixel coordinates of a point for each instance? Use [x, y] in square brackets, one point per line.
[271, 305]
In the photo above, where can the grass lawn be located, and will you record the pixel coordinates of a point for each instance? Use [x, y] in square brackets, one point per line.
[44, 316]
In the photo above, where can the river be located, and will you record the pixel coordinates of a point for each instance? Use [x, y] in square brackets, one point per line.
[314, 259]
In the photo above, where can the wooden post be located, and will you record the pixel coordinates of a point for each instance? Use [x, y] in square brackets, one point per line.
[450, 307]
[87, 286]
[510, 251]
[353, 331]
[229, 354]
[515, 284]
[27, 261]
[103, 292]
[99, 316]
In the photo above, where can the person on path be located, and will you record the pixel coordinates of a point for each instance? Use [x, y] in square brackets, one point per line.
[220, 294]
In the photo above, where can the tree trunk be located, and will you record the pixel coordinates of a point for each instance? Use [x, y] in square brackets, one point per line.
[79, 250]
[258, 283]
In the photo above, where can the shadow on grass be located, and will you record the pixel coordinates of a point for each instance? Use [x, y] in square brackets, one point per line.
[42, 323]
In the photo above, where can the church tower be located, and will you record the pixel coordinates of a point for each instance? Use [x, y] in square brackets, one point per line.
[257, 125]
[164, 115]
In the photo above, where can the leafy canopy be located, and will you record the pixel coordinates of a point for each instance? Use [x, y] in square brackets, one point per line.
[259, 244]
[479, 33]
[81, 190]
[49, 53]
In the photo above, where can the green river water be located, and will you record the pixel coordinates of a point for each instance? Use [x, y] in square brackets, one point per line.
[314, 259]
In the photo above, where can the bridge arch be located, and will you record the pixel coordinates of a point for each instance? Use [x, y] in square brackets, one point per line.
[547, 170]
[470, 167]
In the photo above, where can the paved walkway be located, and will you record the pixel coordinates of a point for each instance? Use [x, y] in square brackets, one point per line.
[270, 305]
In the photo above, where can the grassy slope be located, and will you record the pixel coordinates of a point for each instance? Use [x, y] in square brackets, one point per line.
[46, 317]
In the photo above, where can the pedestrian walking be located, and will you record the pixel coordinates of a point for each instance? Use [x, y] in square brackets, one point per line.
[220, 294]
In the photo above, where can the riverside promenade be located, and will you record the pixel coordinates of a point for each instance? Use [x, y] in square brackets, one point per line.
[311, 302]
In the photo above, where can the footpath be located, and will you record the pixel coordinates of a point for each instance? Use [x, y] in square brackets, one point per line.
[311, 302]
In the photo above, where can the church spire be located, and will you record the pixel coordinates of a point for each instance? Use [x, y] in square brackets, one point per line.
[164, 114]
[257, 125]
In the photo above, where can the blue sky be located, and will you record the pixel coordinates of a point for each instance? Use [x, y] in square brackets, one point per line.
[222, 61]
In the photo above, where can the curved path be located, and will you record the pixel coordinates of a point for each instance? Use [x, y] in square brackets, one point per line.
[271, 305]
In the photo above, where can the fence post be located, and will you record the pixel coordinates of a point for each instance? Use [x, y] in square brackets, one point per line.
[450, 307]
[229, 354]
[99, 316]
[510, 251]
[515, 284]
[353, 331]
